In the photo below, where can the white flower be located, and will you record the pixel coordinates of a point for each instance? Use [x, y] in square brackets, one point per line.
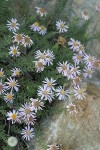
[26, 111]
[76, 80]
[77, 58]
[12, 141]
[50, 83]
[62, 67]
[39, 65]
[79, 93]
[60, 25]
[53, 147]
[89, 59]
[85, 15]
[74, 44]
[75, 70]
[17, 38]
[14, 51]
[40, 55]
[98, 8]
[13, 116]
[12, 84]
[26, 41]
[2, 88]
[88, 72]
[35, 26]
[27, 133]
[16, 72]
[13, 25]
[1, 73]
[71, 108]
[43, 30]
[9, 97]
[49, 57]
[61, 93]
[30, 120]
[80, 49]
[96, 64]
[68, 73]
[36, 104]
[41, 11]
[45, 93]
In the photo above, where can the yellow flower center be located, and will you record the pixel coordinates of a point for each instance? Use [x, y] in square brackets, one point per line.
[27, 40]
[62, 92]
[45, 92]
[30, 119]
[79, 57]
[1, 73]
[81, 47]
[40, 65]
[42, 10]
[64, 67]
[75, 69]
[71, 108]
[14, 116]
[9, 96]
[49, 84]
[85, 13]
[42, 56]
[62, 26]
[36, 24]
[68, 72]
[13, 24]
[19, 37]
[75, 44]
[96, 63]
[80, 91]
[89, 71]
[77, 80]
[17, 72]
[90, 59]
[12, 84]
[42, 27]
[14, 51]
[28, 132]
[27, 111]
[36, 103]
[53, 147]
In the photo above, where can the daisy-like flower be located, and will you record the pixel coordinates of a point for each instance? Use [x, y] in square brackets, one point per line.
[35, 26]
[45, 93]
[28, 133]
[60, 25]
[61, 93]
[26, 111]
[88, 72]
[85, 15]
[12, 84]
[53, 147]
[75, 70]
[68, 73]
[43, 30]
[49, 57]
[26, 41]
[62, 67]
[89, 59]
[1, 73]
[77, 58]
[36, 104]
[76, 80]
[17, 38]
[61, 41]
[79, 93]
[39, 65]
[13, 25]
[74, 44]
[71, 108]
[98, 8]
[80, 49]
[30, 120]
[2, 88]
[50, 83]
[9, 97]
[96, 64]
[13, 116]
[12, 141]
[16, 72]
[40, 55]
[14, 51]
[41, 11]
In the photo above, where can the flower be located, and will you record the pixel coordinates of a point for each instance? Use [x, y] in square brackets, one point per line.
[27, 133]
[71, 108]
[16, 72]
[74, 44]
[26, 111]
[62, 67]
[14, 116]
[68, 73]
[98, 8]
[12, 141]
[80, 49]
[40, 55]
[45, 93]
[36, 104]
[96, 64]
[30, 120]
[61, 93]
[12, 84]
[35, 26]
[85, 15]
[41, 11]
[39, 65]
[60, 25]
[17, 38]
[61, 40]
[75, 70]
[1, 73]
[2, 88]
[26, 41]
[43, 30]
[88, 72]
[89, 59]
[49, 57]
[14, 51]
[13, 25]
[79, 93]
[49, 83]
[76, 80]
[77, 58]
[9, 97]
[53, 147]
